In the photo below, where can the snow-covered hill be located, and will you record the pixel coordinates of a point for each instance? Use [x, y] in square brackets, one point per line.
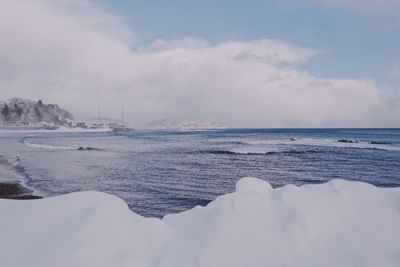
[23, 111]
[169, 124]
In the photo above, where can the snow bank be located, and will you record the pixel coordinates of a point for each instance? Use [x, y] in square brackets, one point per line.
[61, 129]
[339, 223]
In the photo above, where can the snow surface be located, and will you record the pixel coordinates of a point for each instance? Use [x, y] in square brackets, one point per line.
[339, 223]
[61, 129]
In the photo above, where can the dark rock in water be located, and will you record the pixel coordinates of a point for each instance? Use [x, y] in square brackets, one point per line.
[378, 143]
[15, 191]
[292, 139]
[88, 148]
[227, 152]
[347, 141]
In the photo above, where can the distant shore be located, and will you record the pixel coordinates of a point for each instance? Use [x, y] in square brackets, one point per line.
[14, 190]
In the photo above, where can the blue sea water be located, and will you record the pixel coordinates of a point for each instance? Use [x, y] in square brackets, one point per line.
[158, 173]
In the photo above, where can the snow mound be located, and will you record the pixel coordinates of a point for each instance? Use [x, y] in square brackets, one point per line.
[250, 184]
[339, 223]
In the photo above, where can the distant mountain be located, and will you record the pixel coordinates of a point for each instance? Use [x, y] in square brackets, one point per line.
[17, 110]
[169, 124]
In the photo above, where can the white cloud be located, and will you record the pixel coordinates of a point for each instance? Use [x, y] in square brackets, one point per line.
[78, 55]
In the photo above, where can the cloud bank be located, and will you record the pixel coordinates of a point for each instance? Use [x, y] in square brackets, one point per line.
[79, 55]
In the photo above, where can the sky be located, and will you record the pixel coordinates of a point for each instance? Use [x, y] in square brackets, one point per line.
[255, 63]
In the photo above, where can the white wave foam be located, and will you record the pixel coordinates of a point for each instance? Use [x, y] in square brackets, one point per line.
[254, 150]
[12, 170]
[36, 145]
[56, 147]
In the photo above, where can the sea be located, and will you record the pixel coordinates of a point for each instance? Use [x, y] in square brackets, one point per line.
[162, 172]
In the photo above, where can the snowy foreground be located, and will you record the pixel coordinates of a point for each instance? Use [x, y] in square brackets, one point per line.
[339, 223]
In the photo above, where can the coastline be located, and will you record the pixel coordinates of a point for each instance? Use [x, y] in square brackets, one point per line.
[14, 190]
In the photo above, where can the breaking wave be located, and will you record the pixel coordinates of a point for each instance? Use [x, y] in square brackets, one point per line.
[14, 166]
[54, 147]
[292, 146]
[229, 152]
[351, 141]
[363, 144]
[348, 141]
[336, 143]
[245, 152]
[15, 178]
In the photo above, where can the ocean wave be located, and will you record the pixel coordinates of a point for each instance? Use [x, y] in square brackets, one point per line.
[35, 145]
[367, 144]
[15, 179]
[230, 152]
[267, 142]
[250, 153]
[18, 168]
[316, 142]
[348, 141]
[293, 146]
[55, 147]
[14, 167]
[351, 141]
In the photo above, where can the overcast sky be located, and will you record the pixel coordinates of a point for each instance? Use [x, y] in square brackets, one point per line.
[256, 63]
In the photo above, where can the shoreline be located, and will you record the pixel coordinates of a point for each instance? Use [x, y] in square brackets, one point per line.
[16, 191]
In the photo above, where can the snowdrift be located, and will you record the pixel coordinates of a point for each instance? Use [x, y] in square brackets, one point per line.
[339, 223]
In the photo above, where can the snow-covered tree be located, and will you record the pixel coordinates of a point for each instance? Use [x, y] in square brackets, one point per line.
[22, 110]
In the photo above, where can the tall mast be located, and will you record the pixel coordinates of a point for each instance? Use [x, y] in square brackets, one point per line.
[122, 113]
[98, 115]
